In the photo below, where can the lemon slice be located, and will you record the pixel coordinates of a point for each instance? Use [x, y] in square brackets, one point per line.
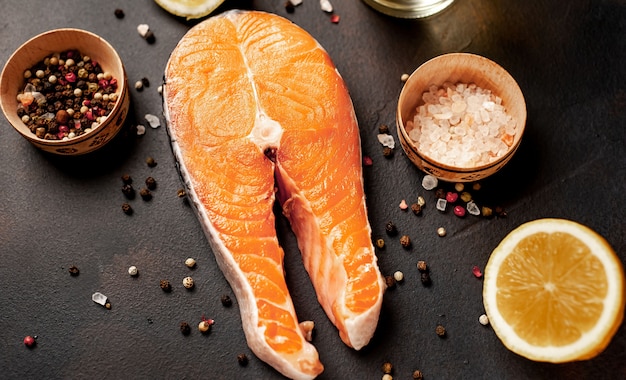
[554, 291]
[190, 9]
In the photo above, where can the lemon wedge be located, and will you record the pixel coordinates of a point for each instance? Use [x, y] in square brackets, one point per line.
[190, 9]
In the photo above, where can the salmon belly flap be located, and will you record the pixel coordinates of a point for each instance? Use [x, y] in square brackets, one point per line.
[256, 113]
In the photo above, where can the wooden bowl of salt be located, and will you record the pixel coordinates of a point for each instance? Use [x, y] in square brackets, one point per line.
[103, 124]
[460, 117]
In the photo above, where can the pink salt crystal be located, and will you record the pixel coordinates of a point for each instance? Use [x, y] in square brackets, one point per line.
[403, 205]
[367, 161]
[476, 271]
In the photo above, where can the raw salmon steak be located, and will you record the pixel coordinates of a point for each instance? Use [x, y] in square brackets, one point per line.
[257, 112]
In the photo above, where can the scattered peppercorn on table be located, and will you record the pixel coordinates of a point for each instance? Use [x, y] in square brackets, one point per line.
[116, 225]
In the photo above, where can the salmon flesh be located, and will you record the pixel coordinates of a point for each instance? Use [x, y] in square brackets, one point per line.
[257, 112]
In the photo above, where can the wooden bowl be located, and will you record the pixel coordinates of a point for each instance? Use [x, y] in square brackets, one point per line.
[459, 68]
[57, 41]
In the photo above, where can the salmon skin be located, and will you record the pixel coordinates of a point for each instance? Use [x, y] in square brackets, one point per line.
[257, 112]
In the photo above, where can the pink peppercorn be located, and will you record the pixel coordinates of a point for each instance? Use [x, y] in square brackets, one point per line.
[367, 161]
[113, 83]
[334, 19]
[29, 341]
[459, 211]
[451, 197]
[103, 83]
[476, 271]
[86, 102]
[70, 77]
[89, 116]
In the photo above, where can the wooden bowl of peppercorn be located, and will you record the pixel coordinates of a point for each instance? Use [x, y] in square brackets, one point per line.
[460, 117]
[65, 91]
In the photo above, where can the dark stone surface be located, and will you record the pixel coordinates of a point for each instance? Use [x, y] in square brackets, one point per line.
[568, 58]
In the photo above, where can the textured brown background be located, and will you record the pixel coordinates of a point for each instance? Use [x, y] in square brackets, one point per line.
[568, 58]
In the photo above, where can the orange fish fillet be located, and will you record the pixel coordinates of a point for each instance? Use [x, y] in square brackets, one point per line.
[253, 102]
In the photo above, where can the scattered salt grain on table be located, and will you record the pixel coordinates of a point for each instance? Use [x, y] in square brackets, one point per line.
[387, 140]
[153, 120]
[326, 6]
[143, 29]
[429, 182]
[441, 204]
[472, 208]
[141, 130]
[99, 298]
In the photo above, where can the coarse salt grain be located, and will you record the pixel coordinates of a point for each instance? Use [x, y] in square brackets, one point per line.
[141, 130]
[441, 204]
[386, 140]
[326, 6]
[462, 125]
[429, 182]
[143, 29]
[153, 120]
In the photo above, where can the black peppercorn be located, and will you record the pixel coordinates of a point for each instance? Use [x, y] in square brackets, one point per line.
[73, 270]
[405, 241]
[145, 82]
[150, 38]
[422, 266]
[119, 13]
[226, 301]
[127, 179]
[416, 208]
[387, 152]
[417, 375]
[151, 162]
[499, 210]
[425, 278]
[166, 286]
[128, 210]
[390, 281]
[391, 229]
[151, 183]
[146, 195]
[128, 191]
[185, 328]
[383, 129]
[289, 7]
[242, 359]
